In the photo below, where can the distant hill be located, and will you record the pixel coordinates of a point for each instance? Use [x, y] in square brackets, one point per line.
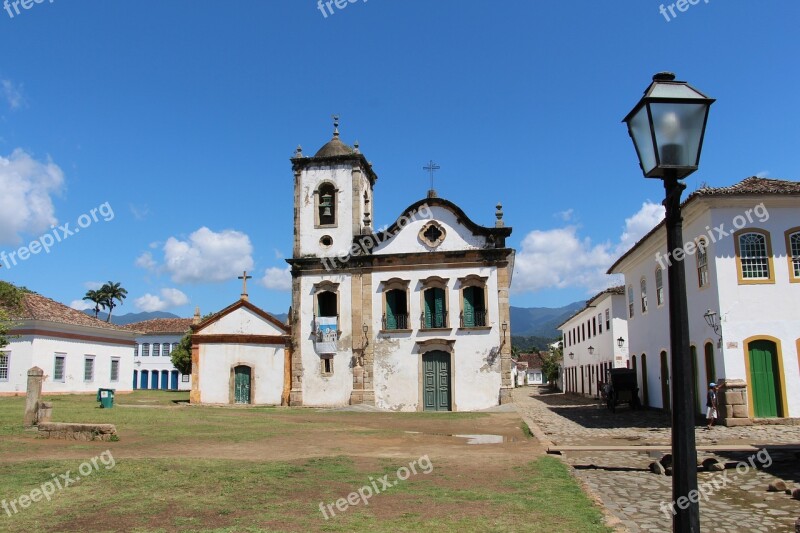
[130, 318]
[541, 321]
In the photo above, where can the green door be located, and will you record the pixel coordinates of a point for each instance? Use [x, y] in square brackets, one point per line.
[436, 375]
[242, 384]
[765, 379]
[665, 382]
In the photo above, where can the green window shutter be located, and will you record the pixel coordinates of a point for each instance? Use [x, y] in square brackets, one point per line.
[469, 307]
[440, 308]
[391, 310]
[430, 299]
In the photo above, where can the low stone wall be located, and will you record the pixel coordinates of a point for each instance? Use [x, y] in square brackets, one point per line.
[732, 403]
[87, 432]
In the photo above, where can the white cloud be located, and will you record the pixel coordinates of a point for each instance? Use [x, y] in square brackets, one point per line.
[208, 256]
[81, 305]
[12, 93]
[146, 261]
[277, 279]
[561, 258]
[566, 216]
[26, 205]
[763, 174]
[92, 285]
[169, 298]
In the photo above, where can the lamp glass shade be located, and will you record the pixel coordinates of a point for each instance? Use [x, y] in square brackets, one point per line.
[668, 126]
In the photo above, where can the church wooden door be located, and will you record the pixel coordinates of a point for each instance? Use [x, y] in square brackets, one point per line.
[765, 378]
[436, 384]
[242, 384]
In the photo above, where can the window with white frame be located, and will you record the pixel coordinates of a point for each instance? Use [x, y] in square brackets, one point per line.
[185, 378]
[4, 365]
[794, 254]
[145, 350]
[659, 286]
[59, 364]
[702, 263]
[88, 368]
[156, 349]
[174, 346]
[136, 350]
[600, 323]
[754, 257]
[115, 369]
[630, 301]
[643, 290]
[608, 319]
[165, 349]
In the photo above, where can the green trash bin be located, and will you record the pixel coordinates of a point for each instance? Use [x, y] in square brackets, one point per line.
[106, 398]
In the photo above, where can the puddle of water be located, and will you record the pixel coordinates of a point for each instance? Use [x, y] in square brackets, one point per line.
[471, 439]
[482, 439]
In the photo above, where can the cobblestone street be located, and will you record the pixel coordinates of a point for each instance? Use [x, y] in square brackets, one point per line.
[737, 500]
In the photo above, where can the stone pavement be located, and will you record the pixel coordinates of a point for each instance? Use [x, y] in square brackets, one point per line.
[737, 499]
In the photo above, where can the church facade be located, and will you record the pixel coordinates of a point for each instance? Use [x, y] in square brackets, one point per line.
[410, 317]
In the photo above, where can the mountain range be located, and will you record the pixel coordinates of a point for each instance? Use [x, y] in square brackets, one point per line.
[525, 321]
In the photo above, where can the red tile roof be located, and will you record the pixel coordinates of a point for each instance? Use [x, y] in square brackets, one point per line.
[161, 325]
[534, 360]
[37, 307]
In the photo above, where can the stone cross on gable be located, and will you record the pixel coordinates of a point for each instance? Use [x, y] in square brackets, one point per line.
[431, 168]
[244, 277]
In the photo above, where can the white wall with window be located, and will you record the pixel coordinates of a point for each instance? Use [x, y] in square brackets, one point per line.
[743, 272]
[153, 368]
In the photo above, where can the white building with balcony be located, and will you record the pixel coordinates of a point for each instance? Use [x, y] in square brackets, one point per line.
[595, 340]
[742, 264]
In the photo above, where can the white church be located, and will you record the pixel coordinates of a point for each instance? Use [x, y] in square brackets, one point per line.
[410, 317]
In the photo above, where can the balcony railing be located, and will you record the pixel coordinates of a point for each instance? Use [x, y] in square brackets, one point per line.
[400, 322]
[478, 319]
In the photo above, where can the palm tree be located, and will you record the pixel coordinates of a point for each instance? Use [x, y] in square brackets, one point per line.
[112, 291]
[98, 298]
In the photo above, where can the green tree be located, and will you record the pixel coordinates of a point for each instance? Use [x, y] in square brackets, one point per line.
[98, 299]
[5, 328]
[10, 305]
[112, 292]
[182, 355]
[551, 363]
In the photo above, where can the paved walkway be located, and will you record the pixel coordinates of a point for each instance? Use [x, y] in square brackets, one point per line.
[737, 498]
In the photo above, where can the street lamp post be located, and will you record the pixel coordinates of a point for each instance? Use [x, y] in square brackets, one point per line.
[667, 127]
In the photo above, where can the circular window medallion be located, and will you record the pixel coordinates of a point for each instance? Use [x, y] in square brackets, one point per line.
[432, 234]
[326, 241]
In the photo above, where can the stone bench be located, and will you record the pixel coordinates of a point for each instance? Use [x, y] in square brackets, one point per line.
[87, 432]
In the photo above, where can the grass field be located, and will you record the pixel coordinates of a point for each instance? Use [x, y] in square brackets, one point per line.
[188, 468]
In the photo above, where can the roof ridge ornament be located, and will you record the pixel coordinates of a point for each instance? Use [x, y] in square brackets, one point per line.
[335, 126]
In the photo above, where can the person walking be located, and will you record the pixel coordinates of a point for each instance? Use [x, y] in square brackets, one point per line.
[711, 405]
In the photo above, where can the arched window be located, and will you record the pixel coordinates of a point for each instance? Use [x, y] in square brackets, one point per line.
[395, 295]
[793, 254]
[659, 286]
[702, 263]
[434, 303]
[326, 205]
[643, 286]
[473, 302]
[630, 301]
[754, 257]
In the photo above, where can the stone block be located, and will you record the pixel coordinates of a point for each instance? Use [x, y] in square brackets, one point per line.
[734, 398]
[740, 411]
[777, 486]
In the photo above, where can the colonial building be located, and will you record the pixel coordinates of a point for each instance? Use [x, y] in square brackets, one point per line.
[241, 355]
[77, 352]
[595, 340]
[742, 264]
[153, 368]
[410, 317]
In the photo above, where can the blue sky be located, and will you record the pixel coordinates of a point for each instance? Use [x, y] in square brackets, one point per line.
[181, 117]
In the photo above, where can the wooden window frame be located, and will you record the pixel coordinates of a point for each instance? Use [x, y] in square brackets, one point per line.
[156, 349]
[63, 377]
[435, 282]
[659, 286]
[5, 354]
[111, 370]
[86, 359]
[702, 268]
[145, 349]
[477, 282]
[395, 284]
[789, 257]
[770, 263]
[631, 300]
[643, 294]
